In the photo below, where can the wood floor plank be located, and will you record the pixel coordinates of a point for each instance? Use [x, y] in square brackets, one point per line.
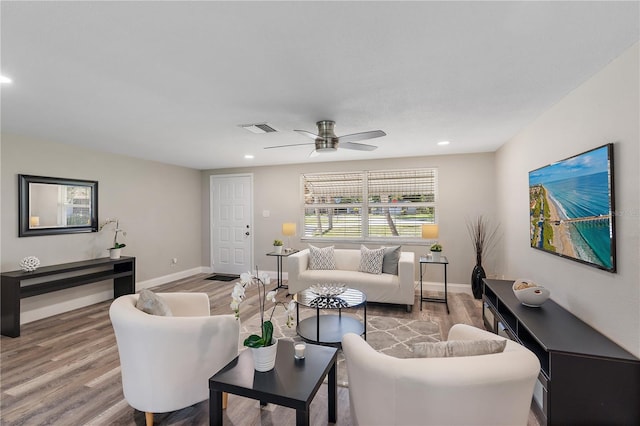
[65, 369]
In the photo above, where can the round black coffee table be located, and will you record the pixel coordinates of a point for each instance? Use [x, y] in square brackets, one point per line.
[329, 328]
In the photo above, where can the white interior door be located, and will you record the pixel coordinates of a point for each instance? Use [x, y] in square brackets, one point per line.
[231, 223]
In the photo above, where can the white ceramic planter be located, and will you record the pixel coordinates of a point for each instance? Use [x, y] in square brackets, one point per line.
[264, 358]
[115, 253]
[277, 249]
[435, 256]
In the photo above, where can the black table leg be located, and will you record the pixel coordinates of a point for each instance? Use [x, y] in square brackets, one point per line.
[446, 301]
[215, 408]
[318, 325]
[10, 303]
[365, 320]
[279, 266]
[420, 286]
[127, 284]
[333, 394]
[302, 417]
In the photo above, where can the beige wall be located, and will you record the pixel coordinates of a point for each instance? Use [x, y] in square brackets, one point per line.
[602, 110]
[158, 205]
[466, 184]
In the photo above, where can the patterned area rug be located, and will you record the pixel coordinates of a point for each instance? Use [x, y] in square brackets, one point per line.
[391, 336]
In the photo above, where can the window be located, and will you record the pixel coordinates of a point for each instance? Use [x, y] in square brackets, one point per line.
[369, 205]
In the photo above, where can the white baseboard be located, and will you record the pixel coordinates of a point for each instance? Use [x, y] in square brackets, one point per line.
[172, 277]
[46, 305]
[451, 287]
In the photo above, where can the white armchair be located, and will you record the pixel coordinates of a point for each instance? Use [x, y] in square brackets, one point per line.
[166, 362]
[491, 389]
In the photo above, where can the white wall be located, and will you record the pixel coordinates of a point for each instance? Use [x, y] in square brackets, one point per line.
[466, 184]
[604, 109]
[158, 205]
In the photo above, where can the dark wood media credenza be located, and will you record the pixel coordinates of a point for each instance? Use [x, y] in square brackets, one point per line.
[585, 378]
[122, 271]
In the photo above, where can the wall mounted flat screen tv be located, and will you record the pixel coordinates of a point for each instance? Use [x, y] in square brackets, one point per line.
[571, 208]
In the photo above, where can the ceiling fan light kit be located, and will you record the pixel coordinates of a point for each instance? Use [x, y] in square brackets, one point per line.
[327, 141]
[326, 145]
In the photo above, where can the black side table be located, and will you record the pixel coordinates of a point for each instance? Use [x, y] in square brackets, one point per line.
[279, 257]
[292, 383]
[429, 261]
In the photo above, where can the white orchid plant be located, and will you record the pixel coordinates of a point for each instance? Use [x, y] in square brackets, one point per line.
[116, 244]
[262, 280]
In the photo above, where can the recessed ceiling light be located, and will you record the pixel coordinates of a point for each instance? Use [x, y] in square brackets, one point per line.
[442, 143]
[249, 156]
[4, 79]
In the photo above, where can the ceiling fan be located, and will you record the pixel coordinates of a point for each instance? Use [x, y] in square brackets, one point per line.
[327, 141]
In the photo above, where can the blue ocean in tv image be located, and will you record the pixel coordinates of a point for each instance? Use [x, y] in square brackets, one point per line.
[586, 197]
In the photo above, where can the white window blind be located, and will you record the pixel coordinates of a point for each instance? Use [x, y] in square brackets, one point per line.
[384, 204]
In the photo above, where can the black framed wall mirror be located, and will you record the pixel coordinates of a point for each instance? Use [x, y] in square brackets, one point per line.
[50, 206]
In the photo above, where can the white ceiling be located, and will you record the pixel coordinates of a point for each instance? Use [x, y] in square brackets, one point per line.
[171, 81]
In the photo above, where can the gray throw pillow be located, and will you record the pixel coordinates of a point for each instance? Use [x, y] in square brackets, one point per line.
[453, 348]
[153, 304]
[321, 258]
[390, 260]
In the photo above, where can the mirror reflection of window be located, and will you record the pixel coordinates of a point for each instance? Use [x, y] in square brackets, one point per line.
[54, 205]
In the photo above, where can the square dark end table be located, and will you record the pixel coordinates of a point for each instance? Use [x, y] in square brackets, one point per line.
[292, 383]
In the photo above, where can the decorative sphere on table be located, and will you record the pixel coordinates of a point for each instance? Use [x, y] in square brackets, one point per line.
[30, 263]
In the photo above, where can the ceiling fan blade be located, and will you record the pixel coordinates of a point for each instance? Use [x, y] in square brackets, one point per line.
[308, 134]
[362, 136]
[357, 146]
[284, 146]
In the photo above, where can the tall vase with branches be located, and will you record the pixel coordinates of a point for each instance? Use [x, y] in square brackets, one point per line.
[484, 236]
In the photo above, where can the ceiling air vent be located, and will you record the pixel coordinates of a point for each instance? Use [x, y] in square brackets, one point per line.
[258, 128]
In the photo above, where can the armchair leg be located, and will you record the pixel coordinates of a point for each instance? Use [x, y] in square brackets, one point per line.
[149, 418]
[225, 400]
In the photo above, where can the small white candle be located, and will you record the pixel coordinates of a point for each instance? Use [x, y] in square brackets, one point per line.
[299, 350]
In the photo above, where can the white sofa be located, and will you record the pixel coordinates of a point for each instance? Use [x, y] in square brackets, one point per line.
[384, 288]
[493, 389]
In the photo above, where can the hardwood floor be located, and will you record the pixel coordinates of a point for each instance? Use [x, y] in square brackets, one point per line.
[64, 370]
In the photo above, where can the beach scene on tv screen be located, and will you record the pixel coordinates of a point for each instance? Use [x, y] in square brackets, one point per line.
[570, 208]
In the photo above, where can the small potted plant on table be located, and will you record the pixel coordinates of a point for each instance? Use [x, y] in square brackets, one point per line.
[277, 246]
[436, 250]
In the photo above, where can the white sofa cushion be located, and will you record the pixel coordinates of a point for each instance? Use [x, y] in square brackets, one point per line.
[371, 260]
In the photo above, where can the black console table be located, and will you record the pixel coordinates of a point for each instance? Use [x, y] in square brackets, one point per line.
[585, 378]
[122, 271]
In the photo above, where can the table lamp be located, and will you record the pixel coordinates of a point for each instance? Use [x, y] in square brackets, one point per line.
[288, 230]
[430, 231]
